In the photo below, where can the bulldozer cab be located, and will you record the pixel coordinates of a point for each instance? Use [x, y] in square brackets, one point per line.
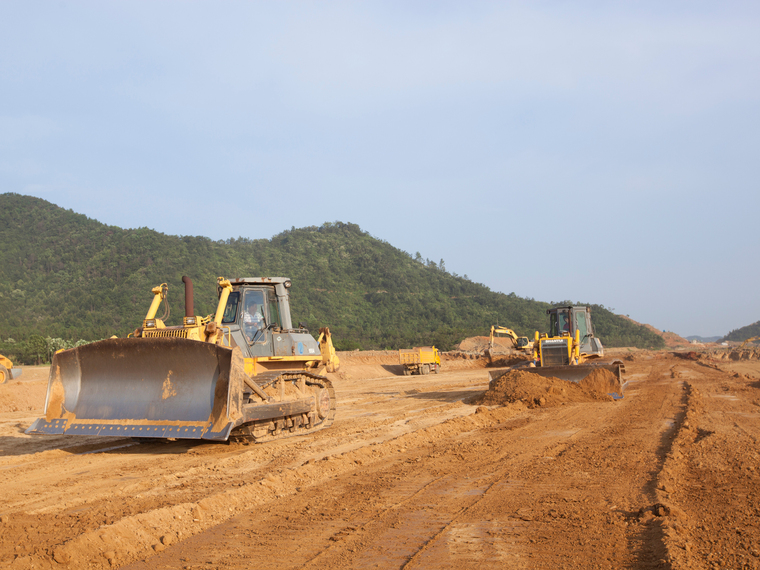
[257, 314]
[565, 321]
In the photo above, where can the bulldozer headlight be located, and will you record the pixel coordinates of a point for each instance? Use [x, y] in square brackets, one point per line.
[150, 324]
[287, 284]
[190, 320]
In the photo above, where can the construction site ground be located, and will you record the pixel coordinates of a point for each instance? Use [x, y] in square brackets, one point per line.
[414, 473]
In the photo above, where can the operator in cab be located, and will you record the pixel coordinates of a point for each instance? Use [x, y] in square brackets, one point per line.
[253, 319]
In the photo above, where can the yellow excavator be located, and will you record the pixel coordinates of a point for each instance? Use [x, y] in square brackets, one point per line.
[570, 351]
[520, 342]
[746, 342]
[244, 372]
[7, 372]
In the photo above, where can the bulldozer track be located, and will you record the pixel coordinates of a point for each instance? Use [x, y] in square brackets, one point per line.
[287, 425]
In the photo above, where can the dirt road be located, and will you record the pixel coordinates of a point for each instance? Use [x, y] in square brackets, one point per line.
[411, 475]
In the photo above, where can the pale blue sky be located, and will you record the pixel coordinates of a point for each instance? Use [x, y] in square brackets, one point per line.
[591, 151]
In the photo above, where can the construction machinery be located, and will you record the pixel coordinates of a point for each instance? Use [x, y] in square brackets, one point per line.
[520, 342]
[244, 372]
[570, 351]
[7, 372]
[747, 341]
[420, 360]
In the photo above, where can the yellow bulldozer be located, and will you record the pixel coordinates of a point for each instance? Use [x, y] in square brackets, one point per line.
[571, 351]
[244, 372]
[7, 372]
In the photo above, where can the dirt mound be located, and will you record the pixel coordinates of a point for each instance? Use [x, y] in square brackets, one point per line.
[535, 390]
[17, 396]
[600, 381]
[482, 343]
[672, 340]
[734, 354]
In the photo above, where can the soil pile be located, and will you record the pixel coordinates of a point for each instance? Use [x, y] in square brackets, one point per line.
[535, 390]
[600, 381]
[17, 396]
[735, 354]
[672, 340]
[482, 343]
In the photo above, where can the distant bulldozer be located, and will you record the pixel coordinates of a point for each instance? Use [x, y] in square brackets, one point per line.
[570, 350]
[7, 372]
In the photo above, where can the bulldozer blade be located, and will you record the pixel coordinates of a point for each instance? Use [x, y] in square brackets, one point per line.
[145, 388]
[575, 374]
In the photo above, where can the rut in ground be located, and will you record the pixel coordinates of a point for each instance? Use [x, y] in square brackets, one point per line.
[560, 488]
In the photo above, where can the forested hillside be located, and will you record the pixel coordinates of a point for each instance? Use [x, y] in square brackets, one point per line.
[742, 334]
[63, 275]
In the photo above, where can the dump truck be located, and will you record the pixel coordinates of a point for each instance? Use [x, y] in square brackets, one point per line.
[243, 373]
[570, 351]
[420, 360]
[7, 372]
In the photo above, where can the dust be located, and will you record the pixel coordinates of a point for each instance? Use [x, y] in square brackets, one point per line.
[535, 390]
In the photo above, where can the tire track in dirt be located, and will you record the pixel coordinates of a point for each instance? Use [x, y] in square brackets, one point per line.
[709, 484]
[669, 476]
[557, 488]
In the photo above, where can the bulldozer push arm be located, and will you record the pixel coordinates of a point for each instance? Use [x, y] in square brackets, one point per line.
[201, 380]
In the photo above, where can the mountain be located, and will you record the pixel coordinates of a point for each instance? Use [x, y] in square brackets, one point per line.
[743, 333]
[64, 275]
[703, 339]
[670, 339]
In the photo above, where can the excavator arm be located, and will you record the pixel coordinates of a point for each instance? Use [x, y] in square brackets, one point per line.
[751, 339]
[502, 331]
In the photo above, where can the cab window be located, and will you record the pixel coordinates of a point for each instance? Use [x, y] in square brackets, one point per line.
[254, 317]
[580, 324]
[274, 312]
[558, 323]
[230, 311]
[563, 323]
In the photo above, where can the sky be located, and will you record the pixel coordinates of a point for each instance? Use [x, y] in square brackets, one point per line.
[600, 152]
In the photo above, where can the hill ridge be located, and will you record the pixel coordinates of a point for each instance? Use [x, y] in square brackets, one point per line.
[65, 275]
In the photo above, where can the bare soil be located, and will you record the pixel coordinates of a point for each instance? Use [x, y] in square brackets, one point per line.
[416, 472]
[672, 340]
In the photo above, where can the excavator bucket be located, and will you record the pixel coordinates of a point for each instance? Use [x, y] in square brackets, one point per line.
[591, 374]
[145, 388]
